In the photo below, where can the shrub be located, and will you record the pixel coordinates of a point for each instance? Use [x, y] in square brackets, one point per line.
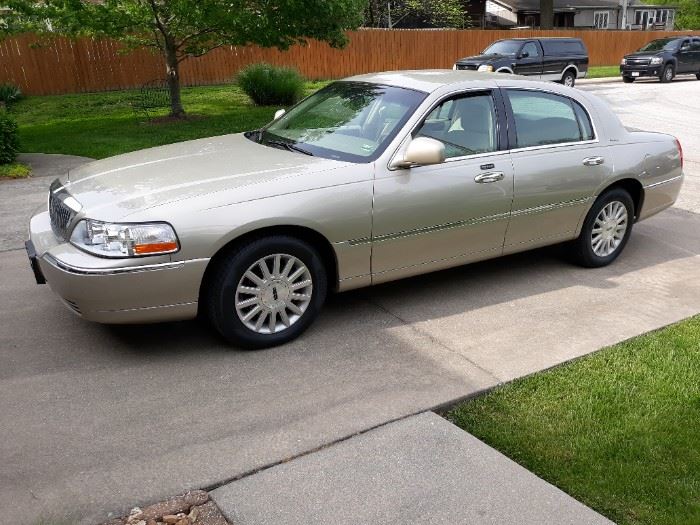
[269, 85]
[14, 171]
[9, 142]
[9, 94]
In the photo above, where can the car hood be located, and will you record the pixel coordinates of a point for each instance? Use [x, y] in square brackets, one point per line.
[480, 59]
[116, 187]
[644, 54]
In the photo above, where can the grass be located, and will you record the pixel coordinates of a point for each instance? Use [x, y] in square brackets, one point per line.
[603, 71]
[103, 124]
[618, 430]
[14, 171]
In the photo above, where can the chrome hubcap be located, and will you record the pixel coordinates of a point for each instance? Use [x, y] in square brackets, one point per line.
[669, 73]
[569, 81]
[273, 293]
[609, 229]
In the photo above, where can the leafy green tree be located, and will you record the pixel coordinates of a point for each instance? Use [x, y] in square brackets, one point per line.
[688, 14]
[181, 29]
[438, 13]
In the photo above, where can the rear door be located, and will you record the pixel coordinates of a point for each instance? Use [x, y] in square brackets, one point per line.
[558, 163]
[529, 60]
[695, 48]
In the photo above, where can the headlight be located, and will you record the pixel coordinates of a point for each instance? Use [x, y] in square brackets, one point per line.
[124, 240]
[623, 62]
[488, 68]
[656, 60]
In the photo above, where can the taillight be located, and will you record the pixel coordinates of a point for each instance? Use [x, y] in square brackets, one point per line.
[680, 151]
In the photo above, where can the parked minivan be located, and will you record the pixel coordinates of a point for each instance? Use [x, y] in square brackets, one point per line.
[557, 59]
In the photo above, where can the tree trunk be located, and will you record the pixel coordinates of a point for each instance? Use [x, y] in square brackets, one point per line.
[546, 14]
[173, 70]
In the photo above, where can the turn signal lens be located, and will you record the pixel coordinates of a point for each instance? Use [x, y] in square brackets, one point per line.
[124, 240]
[680, 151]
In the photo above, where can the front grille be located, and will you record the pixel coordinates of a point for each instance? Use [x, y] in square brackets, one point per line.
[467, 67]
[637, 61]
[60, 214]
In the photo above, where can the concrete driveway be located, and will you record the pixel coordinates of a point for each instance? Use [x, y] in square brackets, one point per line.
[95, 418]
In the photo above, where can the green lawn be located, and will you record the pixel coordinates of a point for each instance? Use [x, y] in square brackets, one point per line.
[103, 124]
[603, 71]
[619, 430]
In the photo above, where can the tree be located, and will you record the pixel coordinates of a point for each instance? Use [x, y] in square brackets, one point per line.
[688, 14]
[546, 14]
[397, 13]
[181, 29]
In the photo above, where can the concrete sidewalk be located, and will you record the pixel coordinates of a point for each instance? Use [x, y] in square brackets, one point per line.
[420, 470]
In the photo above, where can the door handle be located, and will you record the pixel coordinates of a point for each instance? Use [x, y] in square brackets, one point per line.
[593, 161]
[494, 176]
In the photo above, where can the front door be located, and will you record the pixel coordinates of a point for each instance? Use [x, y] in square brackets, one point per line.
[686, 58]
[529, 60]
[430, 217]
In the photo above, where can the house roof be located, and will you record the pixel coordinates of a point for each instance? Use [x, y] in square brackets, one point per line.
[570, 5]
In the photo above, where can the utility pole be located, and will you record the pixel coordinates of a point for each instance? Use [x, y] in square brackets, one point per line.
[624, 14]
[388, 10]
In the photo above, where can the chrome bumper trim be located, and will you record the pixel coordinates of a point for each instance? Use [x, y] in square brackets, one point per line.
[115, 271]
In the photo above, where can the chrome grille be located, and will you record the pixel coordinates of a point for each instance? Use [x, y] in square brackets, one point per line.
[637, 61]
[467, 67]
[60, 214]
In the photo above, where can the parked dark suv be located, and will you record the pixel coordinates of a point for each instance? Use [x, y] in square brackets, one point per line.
[663, 58]
[558, 59]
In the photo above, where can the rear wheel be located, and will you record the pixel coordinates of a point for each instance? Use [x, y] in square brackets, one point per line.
[668, 73]
[606, 229]
[569, 78]
[266, 292]
[627, 80]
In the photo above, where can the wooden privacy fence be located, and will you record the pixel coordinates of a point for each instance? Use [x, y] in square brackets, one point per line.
[71, 66]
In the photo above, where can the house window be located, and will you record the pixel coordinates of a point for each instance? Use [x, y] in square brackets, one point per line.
[601, 19]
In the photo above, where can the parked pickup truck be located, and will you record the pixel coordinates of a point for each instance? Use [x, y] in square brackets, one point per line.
[558, 59]
[664, 59]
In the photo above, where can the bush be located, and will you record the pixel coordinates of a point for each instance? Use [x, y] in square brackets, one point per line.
[9, 94]
[9, 142]
[14, 171]
[269, 85]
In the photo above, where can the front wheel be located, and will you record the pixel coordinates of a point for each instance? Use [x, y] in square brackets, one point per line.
[266, 292]
[606, 229]
[667, 74]
[627, 80]
[569, 79]
[697, 75]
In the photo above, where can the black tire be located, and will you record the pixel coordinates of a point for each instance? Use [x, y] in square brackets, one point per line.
[697, 75]
[627, 80]
[221, 289]
[667, 74]
[569, 78]
[582, 249]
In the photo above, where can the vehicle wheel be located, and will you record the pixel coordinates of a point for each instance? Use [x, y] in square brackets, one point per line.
[266, 292]
[569, 79]
[667, 74]
[606, 229]
[697, 75]
[627, 80]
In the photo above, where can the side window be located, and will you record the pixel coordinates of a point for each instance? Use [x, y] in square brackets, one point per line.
[696, 44]
[466, 125]
[546, 118]
[531, 49]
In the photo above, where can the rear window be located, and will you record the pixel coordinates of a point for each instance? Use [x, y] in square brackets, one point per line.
[563, 47]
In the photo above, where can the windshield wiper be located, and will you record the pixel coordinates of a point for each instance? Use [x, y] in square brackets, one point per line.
[288, 146]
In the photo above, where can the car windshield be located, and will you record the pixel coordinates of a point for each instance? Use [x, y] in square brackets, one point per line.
[351, 121]
[667, 44]
[503, 47]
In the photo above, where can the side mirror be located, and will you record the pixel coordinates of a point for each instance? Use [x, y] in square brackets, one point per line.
[524, 54]
[685, 47]
[421, 151]
[279, 113]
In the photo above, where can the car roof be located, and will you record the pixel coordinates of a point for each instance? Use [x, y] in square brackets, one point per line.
[430, 80]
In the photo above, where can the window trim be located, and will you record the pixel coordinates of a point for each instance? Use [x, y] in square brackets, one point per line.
[607, 16]
[512, 137]
[501, 124]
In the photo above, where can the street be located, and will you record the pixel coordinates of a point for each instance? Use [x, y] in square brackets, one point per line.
[95, 418]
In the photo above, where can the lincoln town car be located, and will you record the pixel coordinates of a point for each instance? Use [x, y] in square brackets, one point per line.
[373, 178]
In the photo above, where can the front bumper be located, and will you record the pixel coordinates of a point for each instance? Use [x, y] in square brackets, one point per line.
[641, 71]
[144, 290]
